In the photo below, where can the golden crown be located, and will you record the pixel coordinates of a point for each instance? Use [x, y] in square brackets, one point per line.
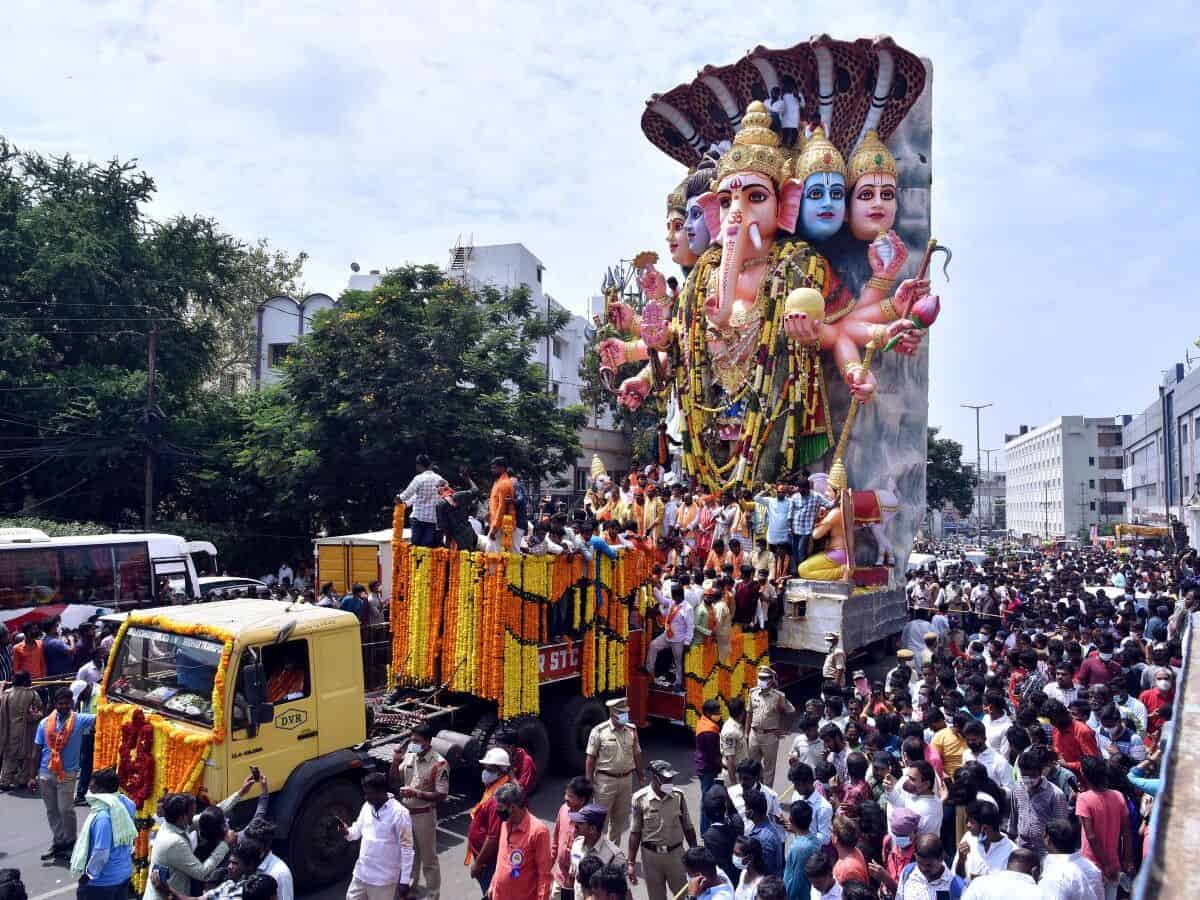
[871, 158]
[677, 199]
[819, 155]
[837, 472]
[755, 148]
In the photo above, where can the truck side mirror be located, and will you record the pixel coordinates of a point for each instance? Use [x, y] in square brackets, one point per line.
[262, 713]
[255, 683]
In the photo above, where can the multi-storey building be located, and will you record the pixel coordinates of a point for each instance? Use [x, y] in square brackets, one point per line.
[282, 321]
[1064, 477]
[1162, 464]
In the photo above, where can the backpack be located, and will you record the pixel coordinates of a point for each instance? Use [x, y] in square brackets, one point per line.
[520, 505]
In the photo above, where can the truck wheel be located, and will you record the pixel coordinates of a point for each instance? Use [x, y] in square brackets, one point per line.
[481, 737]
[571, 726]
[533, 736]
[317, 852]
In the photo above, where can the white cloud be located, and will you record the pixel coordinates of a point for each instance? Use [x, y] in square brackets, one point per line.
[379, 132]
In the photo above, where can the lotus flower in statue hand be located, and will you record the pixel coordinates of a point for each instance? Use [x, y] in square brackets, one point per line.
[922, 315]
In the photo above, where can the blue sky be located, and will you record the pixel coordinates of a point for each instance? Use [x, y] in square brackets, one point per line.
[1065, 148]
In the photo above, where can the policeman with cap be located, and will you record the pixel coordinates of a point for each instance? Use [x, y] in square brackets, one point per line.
[590, 841]
[768, 706]
[834, 667]
[613, 756]
[661, 824]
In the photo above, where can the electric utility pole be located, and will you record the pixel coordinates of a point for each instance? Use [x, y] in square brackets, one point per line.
[978, 474]
[150, 422]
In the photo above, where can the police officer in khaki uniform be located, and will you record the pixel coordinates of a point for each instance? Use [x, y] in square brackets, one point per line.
[660, 826]
[613, 756]
[424, 779]
[733, 740]
[768, 706]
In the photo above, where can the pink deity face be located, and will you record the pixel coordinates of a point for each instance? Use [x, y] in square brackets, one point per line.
[677, 243]
[752, 196]
[873, 206]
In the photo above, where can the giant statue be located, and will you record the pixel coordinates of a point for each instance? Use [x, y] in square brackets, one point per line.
[805, 297]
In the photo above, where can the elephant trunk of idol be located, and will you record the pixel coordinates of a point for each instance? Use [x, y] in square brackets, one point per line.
[739, 243]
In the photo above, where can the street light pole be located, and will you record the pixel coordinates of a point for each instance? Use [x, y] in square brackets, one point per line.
[978, 519]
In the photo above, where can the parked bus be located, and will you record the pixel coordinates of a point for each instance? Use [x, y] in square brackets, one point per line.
[76, 577]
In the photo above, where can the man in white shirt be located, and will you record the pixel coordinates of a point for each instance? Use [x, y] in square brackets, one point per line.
[385, 858]
[1062, 688]
[678, 619]
[914, 791]
[1017, 882]
[984, 848]
[285, 573]
[749, 776]
[262, 830]
[1062, 879]
[998, 767]
[789, 118]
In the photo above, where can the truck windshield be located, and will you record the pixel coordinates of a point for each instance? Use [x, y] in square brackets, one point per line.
[173, 673]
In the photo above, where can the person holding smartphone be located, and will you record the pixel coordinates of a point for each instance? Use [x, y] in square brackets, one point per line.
[385, 857]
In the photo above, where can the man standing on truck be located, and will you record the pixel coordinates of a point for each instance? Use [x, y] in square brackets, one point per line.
[421, 498]
[424, 779]
[613, 756]
[501, 502]
[767, 707]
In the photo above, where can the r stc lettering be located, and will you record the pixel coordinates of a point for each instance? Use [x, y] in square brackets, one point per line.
[556, 660]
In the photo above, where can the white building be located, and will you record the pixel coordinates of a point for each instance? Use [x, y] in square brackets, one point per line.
[1162, 465]
[282, 321]
[1063, 477]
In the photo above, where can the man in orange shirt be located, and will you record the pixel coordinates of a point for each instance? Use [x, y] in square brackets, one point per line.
[502, 501]
[1072, 740]
[28, 656]
[523, 862]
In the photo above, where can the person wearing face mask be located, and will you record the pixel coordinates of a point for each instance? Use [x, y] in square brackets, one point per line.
[385, 857]
[1100, 668]
[748, 859]
[483, 834]
[915, 791]
[589, 840]
[928, 877]
[1131, 707]
[173, 848]
[768, 706]
[1035, 801]
[1161, 696]
[613, 756]
[984, 848]
[424, 777]
[899, 849]
[661, 823]
[523, 863]
[998, 768]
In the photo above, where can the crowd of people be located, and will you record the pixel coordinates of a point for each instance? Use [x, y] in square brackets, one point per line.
[1014, 749]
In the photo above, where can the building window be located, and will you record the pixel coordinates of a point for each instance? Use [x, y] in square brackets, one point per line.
[1183, 433]
[1186, 486]
[1091, 460]
[558, 347]
[276, 354]
[539, 271]
[582, 476]
[1092, 506]
[554, 386]
[1092, 483]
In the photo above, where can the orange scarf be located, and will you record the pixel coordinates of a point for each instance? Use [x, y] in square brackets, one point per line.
[487, 795]
[705, 725]
[671, 614]
[56, 740]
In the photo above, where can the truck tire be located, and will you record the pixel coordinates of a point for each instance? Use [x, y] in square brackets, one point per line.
[481, 737]
[570, 726]
[535, 739]
[316, 850]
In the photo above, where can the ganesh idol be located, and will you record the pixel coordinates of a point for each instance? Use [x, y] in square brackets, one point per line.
[744, 347]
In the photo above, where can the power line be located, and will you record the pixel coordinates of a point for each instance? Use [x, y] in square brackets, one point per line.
[80, 482]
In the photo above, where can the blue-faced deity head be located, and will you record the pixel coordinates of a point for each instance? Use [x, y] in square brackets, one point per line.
[823, 209]
[695, 228]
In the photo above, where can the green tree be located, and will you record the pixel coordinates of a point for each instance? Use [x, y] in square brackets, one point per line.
[85, 276]
[946, 478]
[421, 364]
[260, 272]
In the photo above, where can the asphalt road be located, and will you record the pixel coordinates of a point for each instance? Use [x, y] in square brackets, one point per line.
[24, 834]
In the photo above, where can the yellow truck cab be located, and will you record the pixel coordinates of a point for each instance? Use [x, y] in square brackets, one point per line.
[278, 687]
